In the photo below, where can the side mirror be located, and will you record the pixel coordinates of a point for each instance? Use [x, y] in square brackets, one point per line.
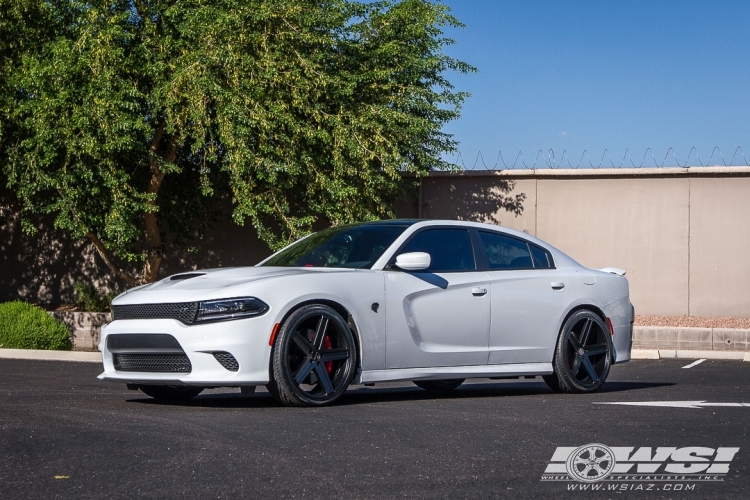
[413, 261]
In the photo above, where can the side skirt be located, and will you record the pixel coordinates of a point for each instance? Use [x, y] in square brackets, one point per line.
[448, 372]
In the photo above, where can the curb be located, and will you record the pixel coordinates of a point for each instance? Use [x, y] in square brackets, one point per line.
[76, 356]
[688, 354]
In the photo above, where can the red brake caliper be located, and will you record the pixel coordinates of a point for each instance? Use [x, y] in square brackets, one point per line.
[327, 345]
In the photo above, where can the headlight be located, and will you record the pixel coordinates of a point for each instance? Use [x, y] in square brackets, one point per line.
[219, 310]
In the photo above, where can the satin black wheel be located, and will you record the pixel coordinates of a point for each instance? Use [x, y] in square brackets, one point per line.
[314, 357]
[446, 385]
[583, 354]
[171, 392]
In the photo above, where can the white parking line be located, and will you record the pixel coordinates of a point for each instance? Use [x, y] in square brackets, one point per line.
[694, 363]
[674, 404]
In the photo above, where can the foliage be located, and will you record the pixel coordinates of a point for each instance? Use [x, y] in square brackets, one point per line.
[125, 118]
[23, 326]
[88, 299]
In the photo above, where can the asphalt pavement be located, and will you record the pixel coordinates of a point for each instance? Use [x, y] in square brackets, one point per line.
[65, 434]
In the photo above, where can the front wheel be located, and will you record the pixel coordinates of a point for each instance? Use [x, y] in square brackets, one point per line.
[171, 392]
[314, 357]
[583, 354]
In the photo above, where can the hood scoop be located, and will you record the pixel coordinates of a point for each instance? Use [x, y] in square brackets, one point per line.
[185, 276]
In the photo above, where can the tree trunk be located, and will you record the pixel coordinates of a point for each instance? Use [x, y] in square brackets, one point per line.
[152, 232]
[154, 244]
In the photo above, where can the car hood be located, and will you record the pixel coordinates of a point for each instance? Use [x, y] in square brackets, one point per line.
[201, 283]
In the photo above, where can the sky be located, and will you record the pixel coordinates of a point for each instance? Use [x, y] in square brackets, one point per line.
[574, 76]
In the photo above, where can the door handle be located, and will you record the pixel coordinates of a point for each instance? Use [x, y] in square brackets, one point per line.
[478, 292]
[557, 285]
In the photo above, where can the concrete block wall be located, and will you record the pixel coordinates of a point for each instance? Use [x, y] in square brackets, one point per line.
[701, 339]
[85, 328]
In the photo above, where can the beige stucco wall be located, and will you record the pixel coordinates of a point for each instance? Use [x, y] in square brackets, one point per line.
[720, 246]
[640, 225]
[481, 199]
[683, 235]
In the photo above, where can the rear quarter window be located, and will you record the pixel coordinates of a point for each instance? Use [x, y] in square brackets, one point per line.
[541, 257]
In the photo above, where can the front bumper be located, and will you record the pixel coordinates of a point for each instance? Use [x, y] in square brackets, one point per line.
[245, 339]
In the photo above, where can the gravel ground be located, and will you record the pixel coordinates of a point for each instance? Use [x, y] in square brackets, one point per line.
[692, 321]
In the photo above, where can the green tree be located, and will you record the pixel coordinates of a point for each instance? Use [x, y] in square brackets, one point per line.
[121, 116]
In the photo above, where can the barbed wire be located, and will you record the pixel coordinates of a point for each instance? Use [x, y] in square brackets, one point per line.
[548, 160]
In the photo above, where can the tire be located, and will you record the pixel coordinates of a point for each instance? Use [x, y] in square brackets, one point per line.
[583, 355]
[439, 385]
[171, 392]
[314, 357]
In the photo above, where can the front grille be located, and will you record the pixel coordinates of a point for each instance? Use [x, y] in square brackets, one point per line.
[181, 311]
[227, 361]
[165, 363]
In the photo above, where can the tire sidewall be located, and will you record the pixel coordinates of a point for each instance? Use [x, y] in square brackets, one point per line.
[566, 380]
[283, 383]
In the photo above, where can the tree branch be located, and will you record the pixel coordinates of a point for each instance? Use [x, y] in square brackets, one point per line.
[104, 254]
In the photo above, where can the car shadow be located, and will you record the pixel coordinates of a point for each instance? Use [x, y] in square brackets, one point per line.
[479, 390]
[220, 400]
[359, 395]
[631, 386]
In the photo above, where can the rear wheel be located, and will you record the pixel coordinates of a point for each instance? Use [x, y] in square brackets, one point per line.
[171, 392]
[314, 357]
[439, 385]
[583, 354]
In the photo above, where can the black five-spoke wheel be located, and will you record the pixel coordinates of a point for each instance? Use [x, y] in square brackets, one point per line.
[314, 357]
[583, 354]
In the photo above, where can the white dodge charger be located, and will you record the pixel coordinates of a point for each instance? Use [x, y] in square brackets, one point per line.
[434, 302]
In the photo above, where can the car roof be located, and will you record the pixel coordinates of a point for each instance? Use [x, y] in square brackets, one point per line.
[389, 222]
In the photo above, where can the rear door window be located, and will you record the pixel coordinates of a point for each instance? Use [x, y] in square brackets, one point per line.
[506, 252]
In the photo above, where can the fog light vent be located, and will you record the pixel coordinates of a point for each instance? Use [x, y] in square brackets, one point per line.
[227, 361]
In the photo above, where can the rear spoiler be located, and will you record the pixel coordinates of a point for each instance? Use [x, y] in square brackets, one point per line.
[613, 270]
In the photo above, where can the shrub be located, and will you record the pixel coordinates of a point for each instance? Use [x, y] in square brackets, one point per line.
[88, 299]
[23, 326]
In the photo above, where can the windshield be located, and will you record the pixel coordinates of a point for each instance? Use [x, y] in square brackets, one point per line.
[354, 246]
